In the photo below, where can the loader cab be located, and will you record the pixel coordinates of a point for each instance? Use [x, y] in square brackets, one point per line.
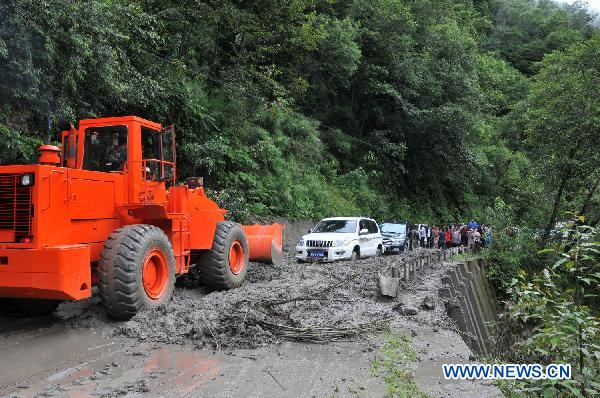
[140, 150]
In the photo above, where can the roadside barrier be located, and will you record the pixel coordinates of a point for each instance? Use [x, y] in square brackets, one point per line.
[413, 267]
[409, 270]
[468, 298]
[470, 301]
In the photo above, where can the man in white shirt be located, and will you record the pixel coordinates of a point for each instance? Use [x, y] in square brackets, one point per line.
[423, 235]
[428, 243]
[476, 240]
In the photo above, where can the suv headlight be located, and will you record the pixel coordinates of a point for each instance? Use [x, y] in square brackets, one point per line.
[301, 242]
[27, 180]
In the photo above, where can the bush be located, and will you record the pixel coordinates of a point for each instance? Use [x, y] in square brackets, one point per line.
[17, 148]
[552, 319]
[511, 250]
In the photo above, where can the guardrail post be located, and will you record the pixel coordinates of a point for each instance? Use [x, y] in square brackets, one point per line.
[406, 273]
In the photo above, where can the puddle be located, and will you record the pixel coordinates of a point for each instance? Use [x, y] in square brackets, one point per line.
[180, 370]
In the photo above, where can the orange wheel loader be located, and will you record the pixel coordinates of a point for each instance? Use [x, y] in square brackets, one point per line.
[105, 209]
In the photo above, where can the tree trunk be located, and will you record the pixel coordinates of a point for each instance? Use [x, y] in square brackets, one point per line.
[589, 197]
[557, 199]
[565, 174]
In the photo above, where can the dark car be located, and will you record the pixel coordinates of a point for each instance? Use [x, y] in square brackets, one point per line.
[396, 236]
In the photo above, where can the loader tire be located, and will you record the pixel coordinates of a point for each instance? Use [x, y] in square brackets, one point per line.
[224, 266]
[16, 307]
[136, 270]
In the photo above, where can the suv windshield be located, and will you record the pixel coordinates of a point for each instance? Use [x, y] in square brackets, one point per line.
[393, 228]
[338, 226]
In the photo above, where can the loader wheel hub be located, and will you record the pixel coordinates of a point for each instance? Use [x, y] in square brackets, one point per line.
[236, 257]
[155, 274]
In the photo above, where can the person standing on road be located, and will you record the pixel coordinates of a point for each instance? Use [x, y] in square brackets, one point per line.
[448, 238]
[456, 237]
[464, 236]
[477, 239]
[436, 236]
[415, 237]
[423, 235]
[429, 236]
[471, 239]
[488, 236]
[442, 238]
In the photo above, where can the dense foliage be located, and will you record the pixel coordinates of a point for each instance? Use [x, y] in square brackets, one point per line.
[303, 108]
[552, 316]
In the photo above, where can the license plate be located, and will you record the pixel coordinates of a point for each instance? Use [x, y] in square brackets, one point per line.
[396, 249]
[317, 254]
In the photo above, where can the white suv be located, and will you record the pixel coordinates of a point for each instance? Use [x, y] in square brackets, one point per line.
[341, 238]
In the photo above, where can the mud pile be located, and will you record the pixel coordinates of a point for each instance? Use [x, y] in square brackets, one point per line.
[311, 302]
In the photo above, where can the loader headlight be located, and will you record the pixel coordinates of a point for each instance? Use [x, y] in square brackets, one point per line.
[301, 242]
[27, 180]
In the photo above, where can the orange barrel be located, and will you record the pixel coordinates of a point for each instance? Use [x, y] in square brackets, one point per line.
[265, 242]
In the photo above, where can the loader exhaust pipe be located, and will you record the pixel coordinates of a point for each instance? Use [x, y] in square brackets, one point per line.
[265, 242]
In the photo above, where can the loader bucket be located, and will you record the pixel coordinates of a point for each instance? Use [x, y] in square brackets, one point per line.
[265, 242]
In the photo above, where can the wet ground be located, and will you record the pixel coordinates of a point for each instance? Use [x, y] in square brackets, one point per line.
[309, 330]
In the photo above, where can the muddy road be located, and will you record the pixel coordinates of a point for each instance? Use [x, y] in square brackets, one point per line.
[298, 330]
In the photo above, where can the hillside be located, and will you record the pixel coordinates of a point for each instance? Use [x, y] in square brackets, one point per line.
[391, 108]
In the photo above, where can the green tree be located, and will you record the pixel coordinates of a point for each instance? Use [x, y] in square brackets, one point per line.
[563, 128]
[525, 30]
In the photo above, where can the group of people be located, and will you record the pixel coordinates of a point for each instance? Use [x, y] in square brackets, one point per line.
[471, 235]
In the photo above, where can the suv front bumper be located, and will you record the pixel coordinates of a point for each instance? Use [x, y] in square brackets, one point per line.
[58, 272]
[393, 248]
[329, 254]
